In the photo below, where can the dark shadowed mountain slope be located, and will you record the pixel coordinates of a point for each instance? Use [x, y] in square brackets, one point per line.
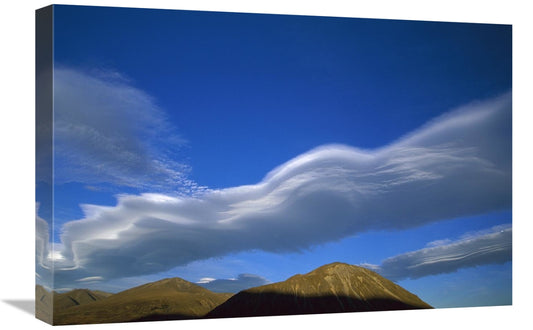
[172, 298]
[332, 288]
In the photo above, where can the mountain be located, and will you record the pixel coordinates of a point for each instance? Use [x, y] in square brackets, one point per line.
[77, 297]
[332, 288]
[45, 300]
[168, 299]
[43, 304]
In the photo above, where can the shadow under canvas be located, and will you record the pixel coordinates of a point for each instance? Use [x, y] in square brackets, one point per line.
[25, 305]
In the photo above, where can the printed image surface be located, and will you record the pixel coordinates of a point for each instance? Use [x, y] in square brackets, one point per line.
[213, 165]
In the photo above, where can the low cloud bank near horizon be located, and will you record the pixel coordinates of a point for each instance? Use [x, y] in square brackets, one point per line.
[234, 285]
[493, 246]
[457, 165]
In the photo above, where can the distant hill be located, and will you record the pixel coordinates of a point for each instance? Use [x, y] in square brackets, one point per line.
[43, 304]
[46, 300]
[77, 297]
[332, 288]
[172, 298]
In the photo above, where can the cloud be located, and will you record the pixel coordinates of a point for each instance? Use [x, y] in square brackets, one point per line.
[482, 248]
[107, 131]
[42, 238]
[457, 165]
[234, 285]
[90, 279]
[43, 251]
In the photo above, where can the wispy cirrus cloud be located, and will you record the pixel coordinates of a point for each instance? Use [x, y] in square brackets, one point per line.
[108, 131]
[491, 246]
[457, 165]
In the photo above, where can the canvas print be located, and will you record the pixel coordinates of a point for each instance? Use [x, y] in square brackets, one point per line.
[195, 165]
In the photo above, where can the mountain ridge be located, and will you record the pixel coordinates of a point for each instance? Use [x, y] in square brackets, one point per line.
[332, 288]
[78, 297]
[171, 298]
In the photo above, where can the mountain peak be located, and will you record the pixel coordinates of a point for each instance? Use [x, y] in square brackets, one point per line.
[332, 288]
[170, 298]
[338, 266]
[167, 285]
[335, 287]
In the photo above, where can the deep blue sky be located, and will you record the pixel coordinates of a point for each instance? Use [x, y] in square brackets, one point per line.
[293, 82]
[246, 93]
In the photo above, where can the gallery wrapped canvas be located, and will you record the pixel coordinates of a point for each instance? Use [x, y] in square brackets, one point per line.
[194, 165]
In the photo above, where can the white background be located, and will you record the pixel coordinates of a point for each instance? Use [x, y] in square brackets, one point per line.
[17, 207]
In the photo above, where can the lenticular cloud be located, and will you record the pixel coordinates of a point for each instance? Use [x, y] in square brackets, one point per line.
[457, 165]
[494, 246]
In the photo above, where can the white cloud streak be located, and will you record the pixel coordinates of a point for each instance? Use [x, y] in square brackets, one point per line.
[90, 279]
[457, 165]
[488, 247]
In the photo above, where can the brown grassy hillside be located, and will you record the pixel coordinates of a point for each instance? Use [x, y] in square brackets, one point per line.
[331, 288]
[172, 298]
